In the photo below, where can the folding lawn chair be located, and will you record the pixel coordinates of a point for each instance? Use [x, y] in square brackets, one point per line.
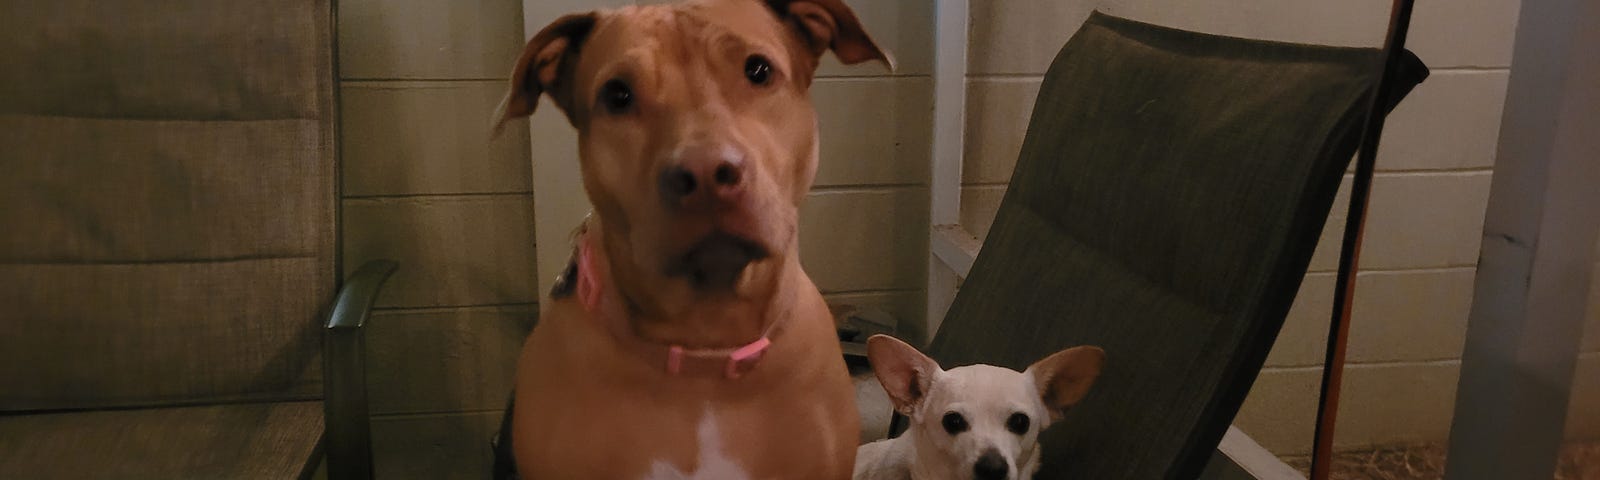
[170, 295]
[1165, 205]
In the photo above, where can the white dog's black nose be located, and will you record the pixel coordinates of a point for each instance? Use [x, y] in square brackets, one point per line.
[991, 466]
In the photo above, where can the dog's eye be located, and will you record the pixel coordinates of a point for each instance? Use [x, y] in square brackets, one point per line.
[758, 70]
[1017, 423]
[616, 96]
[954, 423]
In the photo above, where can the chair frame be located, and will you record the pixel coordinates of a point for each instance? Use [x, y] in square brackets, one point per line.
[347, 431]
[1350, 245]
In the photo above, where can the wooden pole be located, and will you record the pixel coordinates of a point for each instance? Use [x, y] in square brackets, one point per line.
[1350, 249]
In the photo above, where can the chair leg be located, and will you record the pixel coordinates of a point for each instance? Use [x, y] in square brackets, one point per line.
[897, 424]
[505, 467]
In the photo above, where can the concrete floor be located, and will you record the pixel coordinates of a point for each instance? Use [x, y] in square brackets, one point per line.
[1579, 460]
[873, 403]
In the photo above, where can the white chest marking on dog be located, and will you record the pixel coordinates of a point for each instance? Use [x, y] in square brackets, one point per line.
[712, 462]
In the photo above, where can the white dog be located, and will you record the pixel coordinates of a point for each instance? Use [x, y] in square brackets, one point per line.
[978, 422]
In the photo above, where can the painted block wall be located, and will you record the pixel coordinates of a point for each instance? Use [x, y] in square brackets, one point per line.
[1428, 200]
[424, 185]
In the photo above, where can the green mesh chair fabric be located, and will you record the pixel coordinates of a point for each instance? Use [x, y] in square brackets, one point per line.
[169, 200]
[1165, 205]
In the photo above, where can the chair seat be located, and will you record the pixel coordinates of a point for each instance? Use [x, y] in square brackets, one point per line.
[261, 440]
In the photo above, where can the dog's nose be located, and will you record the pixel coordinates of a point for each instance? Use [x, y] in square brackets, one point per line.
[712, 176]
[991, 466]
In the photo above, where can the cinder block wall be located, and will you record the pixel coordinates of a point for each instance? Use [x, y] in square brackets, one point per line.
[1427, 203]
[424, 185]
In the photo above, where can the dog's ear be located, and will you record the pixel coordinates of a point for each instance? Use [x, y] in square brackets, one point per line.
[546, 66]
[1064, 377]
[830, 24]
[904, 372]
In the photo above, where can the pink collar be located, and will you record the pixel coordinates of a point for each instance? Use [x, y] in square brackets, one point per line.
[731, 363]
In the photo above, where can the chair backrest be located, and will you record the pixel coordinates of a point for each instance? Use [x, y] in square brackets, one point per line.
[1165, 205]
[168, 201]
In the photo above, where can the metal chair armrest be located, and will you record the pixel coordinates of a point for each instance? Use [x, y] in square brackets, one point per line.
[348, 434]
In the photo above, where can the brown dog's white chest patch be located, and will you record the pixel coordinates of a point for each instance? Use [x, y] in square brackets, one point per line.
[712, 463]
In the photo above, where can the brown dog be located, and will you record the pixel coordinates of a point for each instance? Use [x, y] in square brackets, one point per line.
[685, 341]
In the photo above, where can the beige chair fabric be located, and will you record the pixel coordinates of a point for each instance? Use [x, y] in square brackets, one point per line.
[264, 440]
[168, 201]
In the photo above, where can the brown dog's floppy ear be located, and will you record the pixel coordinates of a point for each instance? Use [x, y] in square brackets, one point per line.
[1063, 378]
[544, 63]
[904, 372]
[830, 24]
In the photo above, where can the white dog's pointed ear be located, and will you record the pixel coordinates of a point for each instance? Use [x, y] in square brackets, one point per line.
[904, 372]
[1063, 378]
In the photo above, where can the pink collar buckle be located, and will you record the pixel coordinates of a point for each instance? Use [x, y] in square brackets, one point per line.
[748, 354]
[739, 360]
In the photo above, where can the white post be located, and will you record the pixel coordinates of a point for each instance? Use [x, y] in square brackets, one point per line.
[949, 130]
[1538, 239]
[559, 203]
